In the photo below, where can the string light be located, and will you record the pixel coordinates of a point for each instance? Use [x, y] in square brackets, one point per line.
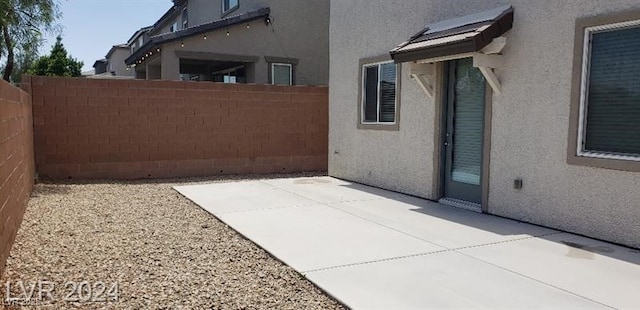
[228, 34]
[158, 50]
[205, 36]
[248, 26]
[181, 44]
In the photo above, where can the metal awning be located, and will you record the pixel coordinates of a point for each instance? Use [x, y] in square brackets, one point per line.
[477, 36]
[466, 34]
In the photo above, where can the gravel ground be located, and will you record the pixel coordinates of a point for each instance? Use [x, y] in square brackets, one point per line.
[163, 251]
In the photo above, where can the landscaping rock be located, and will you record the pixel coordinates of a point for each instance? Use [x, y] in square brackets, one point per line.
[163, 251]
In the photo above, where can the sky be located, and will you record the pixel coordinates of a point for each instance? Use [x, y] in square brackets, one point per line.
[91, 27]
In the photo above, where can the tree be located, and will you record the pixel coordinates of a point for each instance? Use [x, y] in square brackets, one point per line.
[25, 56]
[57, 63]
[21, 25]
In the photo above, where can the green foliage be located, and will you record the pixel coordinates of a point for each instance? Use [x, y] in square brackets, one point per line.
[22, 23]
[25, 56]
[57, 63]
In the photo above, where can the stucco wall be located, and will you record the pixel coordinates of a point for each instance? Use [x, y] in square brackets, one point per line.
[530, 120]
[117, 62]
[299, 30]
[203, 11]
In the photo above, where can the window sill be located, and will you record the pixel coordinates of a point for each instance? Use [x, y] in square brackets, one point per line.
[605, 163]
[379, 126]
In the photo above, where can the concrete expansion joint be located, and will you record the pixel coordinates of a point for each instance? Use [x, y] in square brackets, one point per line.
[377, 261]
[267, 209]
[445, 250]
[504, 241]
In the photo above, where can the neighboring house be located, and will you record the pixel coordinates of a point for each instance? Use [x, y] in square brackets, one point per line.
[238, 41]
[115, 60]
[529, 111]
[88, 73]
[100, 66]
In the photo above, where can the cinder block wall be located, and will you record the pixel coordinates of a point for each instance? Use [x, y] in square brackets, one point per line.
[16, 163]
[129, 129]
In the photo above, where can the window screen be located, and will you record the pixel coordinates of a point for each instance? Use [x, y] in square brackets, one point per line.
[281, 74]
[612, 110]
[379, 94]
[371, 94]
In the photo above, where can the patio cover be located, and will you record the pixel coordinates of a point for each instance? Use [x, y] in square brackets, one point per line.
[466, 34]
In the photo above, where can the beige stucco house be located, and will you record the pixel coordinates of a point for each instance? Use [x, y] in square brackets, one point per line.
[115, 60]
[237, 41]
[524, 109]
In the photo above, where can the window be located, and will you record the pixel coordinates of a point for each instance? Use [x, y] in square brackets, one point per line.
[379, 93]
[140, 41]
[609, 111]
[185, 18]
[228, 5]
[281, 74]
[174, 27]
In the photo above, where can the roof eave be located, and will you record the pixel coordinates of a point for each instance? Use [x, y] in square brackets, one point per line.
[158, 40]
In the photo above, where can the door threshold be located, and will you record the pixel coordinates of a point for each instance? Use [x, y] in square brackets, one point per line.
[461, 204]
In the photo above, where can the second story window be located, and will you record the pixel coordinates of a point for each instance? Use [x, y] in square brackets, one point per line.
[173, 27]
[228, 5]
[140, 41]
[185, 18]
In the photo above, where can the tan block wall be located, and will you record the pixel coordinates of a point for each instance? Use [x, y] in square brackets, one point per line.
[16, 163]
[130, 129]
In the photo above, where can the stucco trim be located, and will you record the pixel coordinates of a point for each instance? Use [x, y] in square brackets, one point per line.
[387, 127]
[285, 60]
[439, 132]
[576, 90]
[486, 148]
[281, 60]
[216, 56]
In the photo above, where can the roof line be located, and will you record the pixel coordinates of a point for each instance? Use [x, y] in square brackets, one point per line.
[189, 32]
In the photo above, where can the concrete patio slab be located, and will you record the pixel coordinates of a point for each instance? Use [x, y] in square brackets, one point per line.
[607, 273]
[372, 248]
[441, 281]
[328, 190]
[316, 237]
[241, 196]
[443, 225]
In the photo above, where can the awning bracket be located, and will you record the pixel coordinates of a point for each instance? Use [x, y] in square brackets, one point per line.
[486, 60]
[423, 74]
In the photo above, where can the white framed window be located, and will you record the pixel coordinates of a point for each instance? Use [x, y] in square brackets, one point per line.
[609, 113]
[140, 41]
[228, 5]
[185, 18]
[281, 74]
[174, 27]
[379, 89]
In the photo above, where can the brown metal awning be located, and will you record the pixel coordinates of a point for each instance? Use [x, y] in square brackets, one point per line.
[466, 34]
